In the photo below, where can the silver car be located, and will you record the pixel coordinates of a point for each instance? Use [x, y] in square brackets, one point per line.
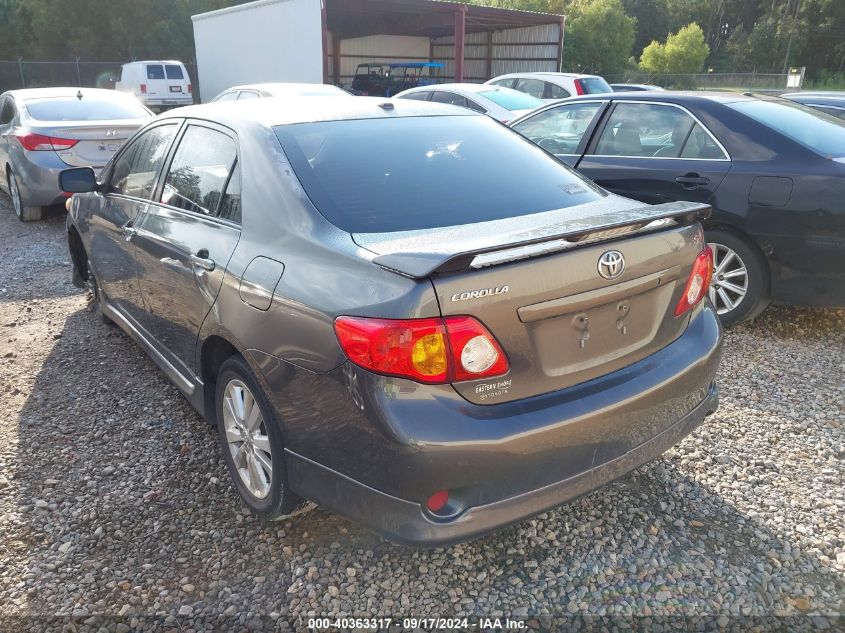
[46, 130]
[260, 91]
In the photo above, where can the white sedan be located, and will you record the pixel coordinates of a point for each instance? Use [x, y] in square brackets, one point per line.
[503, 104]
[259, 91]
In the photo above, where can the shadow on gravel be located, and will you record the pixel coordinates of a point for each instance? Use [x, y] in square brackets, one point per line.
[125, 515]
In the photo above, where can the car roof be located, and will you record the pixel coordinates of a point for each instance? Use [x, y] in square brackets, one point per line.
[546, 74]
[25, 94]
[455, 87]
[154, 61]
[273, 112]
[671, 96]
[281, 86]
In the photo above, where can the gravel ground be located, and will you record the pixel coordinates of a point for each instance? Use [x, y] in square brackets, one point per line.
[116, 511]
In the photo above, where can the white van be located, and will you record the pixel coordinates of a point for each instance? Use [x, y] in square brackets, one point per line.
[159, 85]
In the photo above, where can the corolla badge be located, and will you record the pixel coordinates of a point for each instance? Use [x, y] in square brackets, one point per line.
[611, 264]
[478, 294]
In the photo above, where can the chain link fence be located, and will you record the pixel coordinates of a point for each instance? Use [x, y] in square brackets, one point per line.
[20, 73]
[707, 81]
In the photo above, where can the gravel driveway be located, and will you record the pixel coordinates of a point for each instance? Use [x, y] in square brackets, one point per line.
[116, 510]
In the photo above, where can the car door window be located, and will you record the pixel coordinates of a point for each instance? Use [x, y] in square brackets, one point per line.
[451, 98]
[199, 170]
[553, 91]
[7, 111]
[534, 87]
[417, 96]
[560, 130]
[506, 83]
[247, 94]
[645, 130]
[230, 205]
[135, 170]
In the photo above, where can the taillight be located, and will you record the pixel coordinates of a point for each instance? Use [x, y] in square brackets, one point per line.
[190, 89]
[433, 350]
[143, 89]
[579, 88]
[698, 283]
[40, 143]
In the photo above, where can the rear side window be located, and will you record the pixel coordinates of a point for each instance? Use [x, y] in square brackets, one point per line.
[155, 71]
[383, 175]
[174, 71]
[135, 170]
[199, 170]
[556, 92]
[533, 87]
[417, 96]
[594, 85]
[227, 96]
[441, 96]
[86, 109]
[247, 94]
[820, 132]
[7, 111]
[660, 131]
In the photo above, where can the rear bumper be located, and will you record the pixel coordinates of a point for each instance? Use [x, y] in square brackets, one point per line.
[406, 521]
[378, 461]
[38, 178]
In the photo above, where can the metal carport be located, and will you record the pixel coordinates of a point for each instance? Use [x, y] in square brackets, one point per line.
[475, 42]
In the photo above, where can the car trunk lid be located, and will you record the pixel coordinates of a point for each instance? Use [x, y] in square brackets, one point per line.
[95, 143]
[540, 291]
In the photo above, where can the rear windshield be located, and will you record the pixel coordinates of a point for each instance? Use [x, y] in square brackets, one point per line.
[383, 175]
[594, 85]
[174, 71]
[512, 99]
[155, 71]
[85, 109]
[820, 132]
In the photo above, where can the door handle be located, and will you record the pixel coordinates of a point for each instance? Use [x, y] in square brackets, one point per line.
[129, 231]
[202, 260]
[691, 181]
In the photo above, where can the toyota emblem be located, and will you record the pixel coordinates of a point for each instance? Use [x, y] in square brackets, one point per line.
[611, 264]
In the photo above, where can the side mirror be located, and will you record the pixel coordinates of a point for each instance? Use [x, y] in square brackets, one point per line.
[78, 180]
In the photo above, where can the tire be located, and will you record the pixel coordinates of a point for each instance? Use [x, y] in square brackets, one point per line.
[266, 494]
[24, 213]
[740, 290]
[97, 295]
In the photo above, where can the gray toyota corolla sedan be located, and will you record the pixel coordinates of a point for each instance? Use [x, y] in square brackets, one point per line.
[46, 130]
[403, 311]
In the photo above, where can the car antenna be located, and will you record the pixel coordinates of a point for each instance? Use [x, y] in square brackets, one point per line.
[79, 95]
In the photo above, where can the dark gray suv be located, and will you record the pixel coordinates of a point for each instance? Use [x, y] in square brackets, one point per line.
[403, 311]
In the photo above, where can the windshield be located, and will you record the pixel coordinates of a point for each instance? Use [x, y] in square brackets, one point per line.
[820, 132]
[594, 85]
[512, 99]
[86, 109]
[383, 175]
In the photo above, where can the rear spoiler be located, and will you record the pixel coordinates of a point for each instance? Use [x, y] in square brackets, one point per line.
[419, 265]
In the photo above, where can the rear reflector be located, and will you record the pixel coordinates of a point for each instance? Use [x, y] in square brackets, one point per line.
[190, 88]
[698, 283]
[438, 500]
[433, 350]
[40, 143]
[143, 89]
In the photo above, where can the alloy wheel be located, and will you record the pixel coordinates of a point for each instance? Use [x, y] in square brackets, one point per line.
[246, 436]
[15, 195]
[730, 279]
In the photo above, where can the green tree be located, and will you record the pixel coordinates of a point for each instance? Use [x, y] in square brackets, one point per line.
[683, 52]
[599, 37]
[652, 18]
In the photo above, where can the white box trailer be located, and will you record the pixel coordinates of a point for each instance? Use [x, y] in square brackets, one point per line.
[267, 40]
